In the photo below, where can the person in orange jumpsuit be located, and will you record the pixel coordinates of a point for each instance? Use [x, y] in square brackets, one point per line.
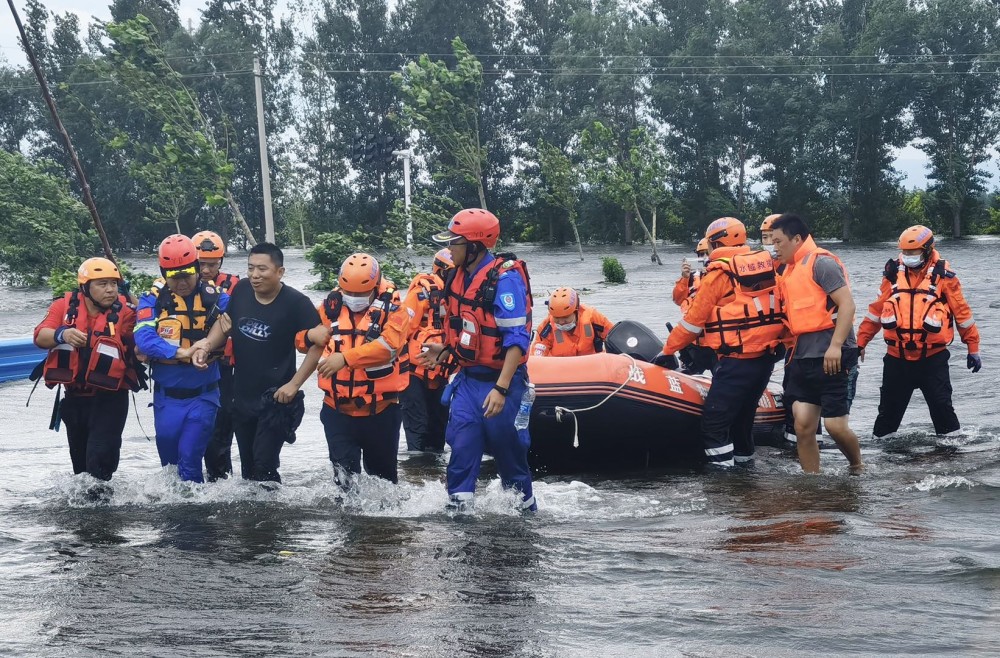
[738, 312]
[695, 358]
[919, 304]
[571, 328]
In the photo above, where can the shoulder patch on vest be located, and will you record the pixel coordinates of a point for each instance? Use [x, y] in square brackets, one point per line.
[508, 264]
[507, 301]
[210, 289]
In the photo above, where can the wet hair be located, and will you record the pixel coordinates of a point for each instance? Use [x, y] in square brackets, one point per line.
[271, 250]
[791, 225]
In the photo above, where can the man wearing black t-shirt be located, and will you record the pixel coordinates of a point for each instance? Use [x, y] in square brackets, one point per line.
[263, 319]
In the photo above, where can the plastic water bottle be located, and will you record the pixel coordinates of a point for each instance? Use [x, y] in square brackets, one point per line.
[524, 411]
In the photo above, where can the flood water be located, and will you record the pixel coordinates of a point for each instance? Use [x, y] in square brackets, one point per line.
[903, 560]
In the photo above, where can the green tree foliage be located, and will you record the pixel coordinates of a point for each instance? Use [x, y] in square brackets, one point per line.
[560, 184]
[42, 227]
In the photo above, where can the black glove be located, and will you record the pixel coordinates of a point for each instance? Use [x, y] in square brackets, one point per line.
[668, 361]
[974, 362]
[779, 352]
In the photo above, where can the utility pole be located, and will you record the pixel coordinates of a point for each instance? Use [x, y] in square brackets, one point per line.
[405, 155]
[87, 196]
[265, 171]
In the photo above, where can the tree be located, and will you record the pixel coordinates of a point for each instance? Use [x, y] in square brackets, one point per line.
[42, 227]
[560, 183]
[445, 105]
[636, 181]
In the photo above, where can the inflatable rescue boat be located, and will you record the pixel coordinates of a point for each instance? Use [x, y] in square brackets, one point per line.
[617, 410]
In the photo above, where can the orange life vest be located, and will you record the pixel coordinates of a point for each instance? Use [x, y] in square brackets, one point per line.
[807, 306]
[225, 282]
[694, 282]
[179, 325]
[353, 390]
[473, 333]
[431, 327]
[751, 319]
[916, 320]
[586, 337]
[103, 363]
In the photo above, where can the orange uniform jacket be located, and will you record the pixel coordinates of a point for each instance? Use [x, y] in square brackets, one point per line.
[949, 290]
[591, 326]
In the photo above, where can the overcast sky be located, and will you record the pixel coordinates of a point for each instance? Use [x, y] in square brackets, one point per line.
[910, 161]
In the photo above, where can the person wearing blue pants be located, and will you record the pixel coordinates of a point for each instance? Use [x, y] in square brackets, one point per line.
[177, 312]
[488, 327]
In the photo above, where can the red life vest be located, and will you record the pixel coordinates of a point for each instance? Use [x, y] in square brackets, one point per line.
[915, 320]
[225, 282]
[103, 363]
[473, 333]
[430, 328]
[752, 319]
[355, 390]
[807, 306]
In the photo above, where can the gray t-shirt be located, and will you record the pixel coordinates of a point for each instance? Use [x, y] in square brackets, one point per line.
[829, 275]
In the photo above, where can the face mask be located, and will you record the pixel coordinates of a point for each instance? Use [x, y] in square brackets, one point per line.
[357, 303]
[913, 261]
[769, 248]
[702, 261]
[566, 327]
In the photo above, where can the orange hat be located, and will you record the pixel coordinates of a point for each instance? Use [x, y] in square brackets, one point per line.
[209, 245]
[563, 302]
[766, 224]
[97, 268]
[473, 224]
[727, 232]
[702, 246]
[916, 237]
[359, 274]
[178, 254]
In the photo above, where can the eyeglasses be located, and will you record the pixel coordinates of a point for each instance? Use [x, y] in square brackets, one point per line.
[184, 271]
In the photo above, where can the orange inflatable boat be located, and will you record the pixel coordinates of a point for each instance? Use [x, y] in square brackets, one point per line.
[628, 413]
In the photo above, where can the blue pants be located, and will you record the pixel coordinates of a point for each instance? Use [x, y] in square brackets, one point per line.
[470, 434]
[183, 430]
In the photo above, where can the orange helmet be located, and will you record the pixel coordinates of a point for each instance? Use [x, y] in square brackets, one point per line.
[360, 274]
[563, 302]
[473, 224]
[209, 245]
[702, 246]
[916, 237]
[766, 224]
[442, 262]
[727, 232]
[177, 252]
[97, 268]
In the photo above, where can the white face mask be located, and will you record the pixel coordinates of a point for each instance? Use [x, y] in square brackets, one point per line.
[357, 303]
[769, 248]
[913, 261]
[566, 327]
[702, 261]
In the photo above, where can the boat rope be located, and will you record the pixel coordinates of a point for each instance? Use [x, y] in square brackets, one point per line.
[573, 412]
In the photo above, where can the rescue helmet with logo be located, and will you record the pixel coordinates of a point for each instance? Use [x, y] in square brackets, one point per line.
[916, 237]
[359, 274]
[209, 245]
[97, 268]
[563, 302]
[442, 262]
[702, 247]
[768, 221]
[473, 224]
[178, 256]
[726, 232]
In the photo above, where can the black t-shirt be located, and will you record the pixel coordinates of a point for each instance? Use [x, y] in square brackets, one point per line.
[264, 339]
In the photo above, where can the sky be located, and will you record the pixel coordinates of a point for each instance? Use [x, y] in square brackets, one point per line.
[910, 161]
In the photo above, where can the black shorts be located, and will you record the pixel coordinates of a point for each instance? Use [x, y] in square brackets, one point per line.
[808, 383]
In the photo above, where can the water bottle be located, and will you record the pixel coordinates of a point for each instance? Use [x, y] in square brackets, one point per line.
[524, 411]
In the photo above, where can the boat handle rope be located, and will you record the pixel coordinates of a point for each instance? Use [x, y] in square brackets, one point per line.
[573, 412]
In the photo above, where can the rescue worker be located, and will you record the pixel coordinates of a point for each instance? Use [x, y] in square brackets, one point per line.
[178, 311]
[765, 239]
[218, 455]
[918, 306]
[89, 335]
[820, 313]
[488, 330]
[695, 358]
[571, 328]
[424, 417]
[738, 312]
[365, 332]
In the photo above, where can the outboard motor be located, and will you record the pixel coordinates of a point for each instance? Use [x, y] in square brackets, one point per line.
[635, 339]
